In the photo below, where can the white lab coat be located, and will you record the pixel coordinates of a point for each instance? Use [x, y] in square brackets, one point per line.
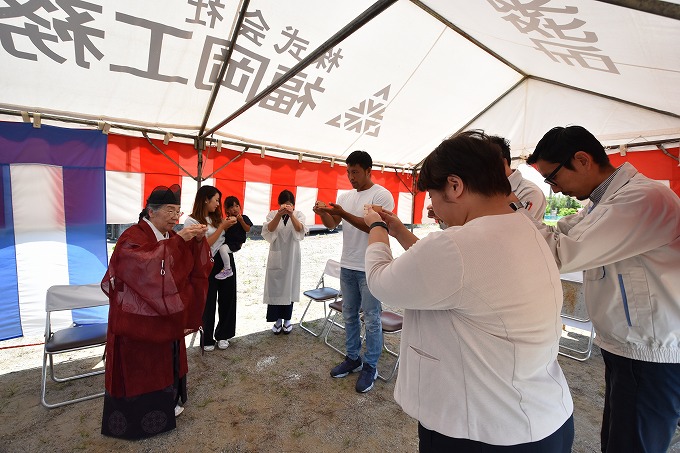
[282, 278]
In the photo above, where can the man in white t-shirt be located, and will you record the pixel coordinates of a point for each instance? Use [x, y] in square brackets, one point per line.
[529, 194]
[355, 292]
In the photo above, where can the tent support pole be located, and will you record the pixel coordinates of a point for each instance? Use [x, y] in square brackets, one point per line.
[414, 190]
[467, 36]
[225, 64]
[665, 151]
[486, 109]
[95, 123]
[361, 20]
[664, 9]
[216, 171]
[199, 145]
[611, 98]
[146, 136]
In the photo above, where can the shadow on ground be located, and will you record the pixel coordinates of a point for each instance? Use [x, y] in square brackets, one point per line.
[265, 393]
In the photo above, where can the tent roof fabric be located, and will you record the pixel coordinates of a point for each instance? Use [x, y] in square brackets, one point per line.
[404, 76]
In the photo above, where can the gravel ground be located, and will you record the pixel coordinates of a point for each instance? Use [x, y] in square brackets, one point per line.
[264, 393]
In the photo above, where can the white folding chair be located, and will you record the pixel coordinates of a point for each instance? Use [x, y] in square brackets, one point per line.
[323, 293]
[585, 326]
[68, 297]
[575, 315]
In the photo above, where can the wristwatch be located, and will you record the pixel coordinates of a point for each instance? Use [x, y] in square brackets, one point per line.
[515, 205]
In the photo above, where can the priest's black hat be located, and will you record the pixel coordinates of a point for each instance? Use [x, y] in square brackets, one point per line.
[165, 195]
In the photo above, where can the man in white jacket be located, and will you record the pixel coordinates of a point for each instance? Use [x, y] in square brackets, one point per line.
[627, 240]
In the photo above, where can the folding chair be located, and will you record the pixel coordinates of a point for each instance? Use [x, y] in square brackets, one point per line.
[391, 323]
[580, 354]
[575, 315]
[74, 338]
[334, 310]
[323, 293]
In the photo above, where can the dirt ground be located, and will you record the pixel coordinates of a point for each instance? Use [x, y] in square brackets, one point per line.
[264, 393]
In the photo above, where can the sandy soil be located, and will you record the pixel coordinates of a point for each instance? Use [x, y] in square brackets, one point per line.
[264, 393]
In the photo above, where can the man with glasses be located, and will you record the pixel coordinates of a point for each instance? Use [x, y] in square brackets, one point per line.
[627, 242]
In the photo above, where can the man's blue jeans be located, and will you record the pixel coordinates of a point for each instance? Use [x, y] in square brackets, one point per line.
[355, 295]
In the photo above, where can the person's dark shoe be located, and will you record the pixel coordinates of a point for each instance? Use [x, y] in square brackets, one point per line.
[347, 366]
[366, 378]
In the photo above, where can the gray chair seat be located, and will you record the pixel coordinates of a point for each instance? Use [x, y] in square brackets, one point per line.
[76, 338]
[322, 294]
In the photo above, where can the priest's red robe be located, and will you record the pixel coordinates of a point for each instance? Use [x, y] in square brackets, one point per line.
[157, 292]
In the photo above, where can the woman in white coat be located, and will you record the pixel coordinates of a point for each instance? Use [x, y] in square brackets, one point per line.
[283, 229]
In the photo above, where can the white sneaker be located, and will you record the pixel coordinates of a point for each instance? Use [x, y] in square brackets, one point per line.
[223, 344]
[209, 348]
[224, 274]
[178, 410]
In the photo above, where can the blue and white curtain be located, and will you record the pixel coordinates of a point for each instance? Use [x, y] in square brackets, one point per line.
[52, 221]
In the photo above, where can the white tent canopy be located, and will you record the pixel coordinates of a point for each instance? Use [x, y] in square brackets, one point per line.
[306, 80]
[407, 75]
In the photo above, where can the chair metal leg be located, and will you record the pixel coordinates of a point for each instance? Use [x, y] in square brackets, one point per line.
[303, 327]
[332, 322]
[70, 378]
[396, 363]
[43, 389]
[575, 353]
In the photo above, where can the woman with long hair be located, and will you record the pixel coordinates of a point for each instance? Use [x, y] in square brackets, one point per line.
[207, 211]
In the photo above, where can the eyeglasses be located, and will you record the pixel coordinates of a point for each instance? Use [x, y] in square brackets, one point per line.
[550, 179]
[170, 212]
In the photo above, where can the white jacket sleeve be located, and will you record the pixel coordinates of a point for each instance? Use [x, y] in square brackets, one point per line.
[626, 225]
[418, 279]
[270, 236]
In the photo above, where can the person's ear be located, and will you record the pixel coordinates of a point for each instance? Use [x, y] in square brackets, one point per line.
[455, 185]
[583, 159]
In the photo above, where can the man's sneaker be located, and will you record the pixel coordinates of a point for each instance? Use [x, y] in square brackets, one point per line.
[178, 410]
[347, 366]
[224, 274]
[209, 347]
[366, 378]
[223, 344]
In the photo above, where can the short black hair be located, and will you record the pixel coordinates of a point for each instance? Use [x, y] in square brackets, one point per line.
[561, 142]
[472, 157]
[231, 201]
[286, 196]
[360, 158]
[504, 144]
